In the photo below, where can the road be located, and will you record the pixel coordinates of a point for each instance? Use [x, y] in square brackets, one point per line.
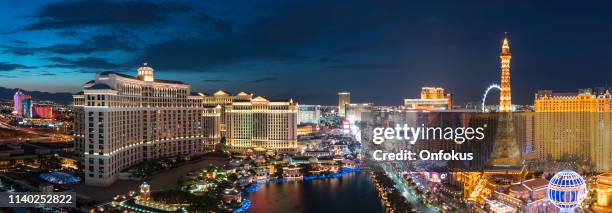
[44, 136]
[401, 185]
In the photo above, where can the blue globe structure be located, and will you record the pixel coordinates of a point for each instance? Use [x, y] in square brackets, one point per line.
[566, 190]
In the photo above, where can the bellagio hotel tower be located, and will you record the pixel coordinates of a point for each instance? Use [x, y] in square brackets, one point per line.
[125, 120]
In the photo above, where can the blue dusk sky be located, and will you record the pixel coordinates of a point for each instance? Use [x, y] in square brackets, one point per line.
[380, 51]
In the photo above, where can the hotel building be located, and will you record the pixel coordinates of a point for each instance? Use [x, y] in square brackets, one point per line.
[574, 125]
[221, 99]
[22, 105]
[309, 114]
[127, 120]
[526, 196]
[355, 112]
[78, 104]
[603, 193]
[211, 121]
[261, 124]
[432, 98]
[586, 100]
[344, 98]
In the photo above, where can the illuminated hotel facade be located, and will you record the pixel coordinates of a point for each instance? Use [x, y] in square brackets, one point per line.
[220, 99]
[603, 193]
[432, 98]
[261, 124]
[22, 105]
[344, 98]
[356, 111]
[127, 120]
[78, 121]
[309, 114]
[525, 196]
[577, 125]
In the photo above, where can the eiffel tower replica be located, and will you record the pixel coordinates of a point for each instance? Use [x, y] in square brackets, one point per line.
[506, 151]
[505, 164]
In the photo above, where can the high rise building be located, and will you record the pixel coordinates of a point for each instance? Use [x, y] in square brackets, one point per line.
[222, 99]
[211, 120]
[309, 114]
[128, 120]
[356, 111]
[432, 98]
[524, 125]
[261, 125]
[22, 105]
[505, 97]
[585, 100]
[344, 98]
[78, 104]
[574, 126]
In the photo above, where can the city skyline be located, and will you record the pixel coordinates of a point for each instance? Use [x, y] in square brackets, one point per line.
[299, 106]
[281, 50]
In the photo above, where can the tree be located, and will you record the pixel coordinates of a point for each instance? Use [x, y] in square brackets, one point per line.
[80, 166]
[232, 178]
[279, 171]
[307, 170]
[50, 163]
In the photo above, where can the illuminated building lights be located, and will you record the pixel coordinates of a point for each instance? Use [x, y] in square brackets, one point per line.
[505, 97]
[484, 97]
[125, 120]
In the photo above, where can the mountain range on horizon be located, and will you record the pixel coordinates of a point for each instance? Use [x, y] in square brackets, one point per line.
[60, 97]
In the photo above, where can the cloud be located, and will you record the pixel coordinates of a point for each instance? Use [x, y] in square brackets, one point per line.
[82, 63]
[259, 80]
[288, 33]
[369, 66]
[71, 14]
[275, 37]
[197, 55]
[364, 47]
[329, 60]
[20, 42]
[97, 43]
[7, 76]
[47, 74]
[68, 33]
[454, 38]
[216, 80]
[7, 66]
[218, 25]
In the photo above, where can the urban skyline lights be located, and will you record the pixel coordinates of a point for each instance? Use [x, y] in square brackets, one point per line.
[230, 106]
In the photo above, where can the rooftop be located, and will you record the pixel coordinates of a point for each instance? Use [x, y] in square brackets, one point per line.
[536, 183]
[99, 86]
[106, 73]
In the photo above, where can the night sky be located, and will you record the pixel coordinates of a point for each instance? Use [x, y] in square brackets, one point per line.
[380, 51]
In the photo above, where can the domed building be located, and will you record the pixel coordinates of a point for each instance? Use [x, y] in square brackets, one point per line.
[566, 190]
